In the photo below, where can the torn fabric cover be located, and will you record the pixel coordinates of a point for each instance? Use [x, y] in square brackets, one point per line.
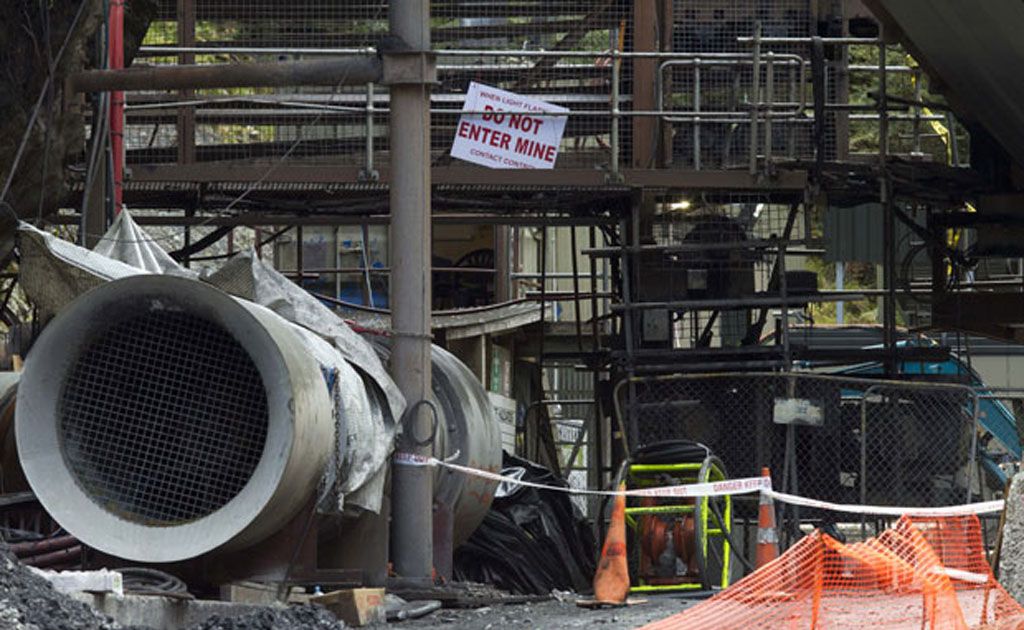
[54, 272]
[361, 455]
[250, 278]
[126, 242]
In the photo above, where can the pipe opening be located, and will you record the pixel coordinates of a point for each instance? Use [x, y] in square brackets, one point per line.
[163, 417]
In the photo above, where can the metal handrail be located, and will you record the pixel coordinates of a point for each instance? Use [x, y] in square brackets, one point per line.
[699, 62]
[761, 107]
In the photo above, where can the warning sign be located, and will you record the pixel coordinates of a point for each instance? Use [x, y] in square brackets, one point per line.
[511, 132]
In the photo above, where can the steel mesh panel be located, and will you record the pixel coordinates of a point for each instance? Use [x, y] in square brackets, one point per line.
[715, 26]
[325, 124]
[917, 443]
[330, 125]
[911, 441]
[163, 418]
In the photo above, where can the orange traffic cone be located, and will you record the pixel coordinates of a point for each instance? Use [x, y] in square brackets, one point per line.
[611, 581]
[767, 536]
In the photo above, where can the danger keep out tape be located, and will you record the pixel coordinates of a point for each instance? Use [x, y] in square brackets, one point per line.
[709, 489]
[744, 485]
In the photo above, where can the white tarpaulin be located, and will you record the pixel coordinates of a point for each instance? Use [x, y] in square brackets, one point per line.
[512, 131]
[54, 272]
[125, 241]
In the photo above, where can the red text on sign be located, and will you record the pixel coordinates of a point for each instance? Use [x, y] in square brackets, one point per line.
[519, 122]
[476, 133]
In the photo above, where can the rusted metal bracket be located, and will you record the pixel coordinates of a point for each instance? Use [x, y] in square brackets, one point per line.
[409, 67]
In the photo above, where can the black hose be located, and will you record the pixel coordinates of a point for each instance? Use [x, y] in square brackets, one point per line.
[727, 534]
[146, 581]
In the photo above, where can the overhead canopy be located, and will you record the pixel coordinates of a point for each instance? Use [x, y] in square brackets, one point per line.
[975, 50]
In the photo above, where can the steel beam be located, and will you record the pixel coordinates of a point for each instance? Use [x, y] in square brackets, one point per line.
[793, 181]
[327, 72]
[645, 39]
[186, 118]
[265, 220]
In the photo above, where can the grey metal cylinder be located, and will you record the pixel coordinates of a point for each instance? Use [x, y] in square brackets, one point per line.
[160, 419]
[467, 433]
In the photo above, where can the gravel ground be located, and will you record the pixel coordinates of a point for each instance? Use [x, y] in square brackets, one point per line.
[297, 617]
[28, 602]
[552, 614]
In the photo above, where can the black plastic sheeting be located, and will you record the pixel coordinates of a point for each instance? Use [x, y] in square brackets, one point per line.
[532, 541]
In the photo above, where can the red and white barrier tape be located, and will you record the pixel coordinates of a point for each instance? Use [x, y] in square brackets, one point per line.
[885, 510]
[710, 489]
[744, 485]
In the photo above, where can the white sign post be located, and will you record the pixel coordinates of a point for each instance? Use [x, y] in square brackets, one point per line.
[511, 132]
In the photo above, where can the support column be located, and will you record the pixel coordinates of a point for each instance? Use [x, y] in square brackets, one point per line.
[645, 76]
[410, 244]
[116, 35]
[186, 123]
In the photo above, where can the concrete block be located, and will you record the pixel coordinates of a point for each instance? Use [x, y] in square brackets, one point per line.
[101, 581]
[1011, 555]
[258, 593]
[161, 613]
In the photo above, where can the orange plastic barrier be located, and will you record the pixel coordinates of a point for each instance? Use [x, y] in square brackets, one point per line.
[923, 573]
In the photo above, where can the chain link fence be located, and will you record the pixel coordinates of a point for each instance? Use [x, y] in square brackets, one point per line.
[838, 439]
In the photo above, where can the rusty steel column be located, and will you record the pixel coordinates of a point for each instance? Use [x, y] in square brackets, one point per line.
[115, 39]
[407, 75]
[186, 123]
[652, 32]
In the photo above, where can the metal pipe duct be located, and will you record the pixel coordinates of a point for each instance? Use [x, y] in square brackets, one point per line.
[160, 419]
[327, 72]
[466, 433]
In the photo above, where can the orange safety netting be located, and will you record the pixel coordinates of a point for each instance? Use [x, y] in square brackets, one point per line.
[924, 573]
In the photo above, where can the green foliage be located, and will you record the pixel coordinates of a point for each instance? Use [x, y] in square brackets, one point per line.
[161, 33]
[856, 276]
[165, 33]
[864, 86]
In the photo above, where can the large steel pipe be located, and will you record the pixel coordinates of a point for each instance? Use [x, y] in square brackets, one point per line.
[468, 435]
[160, 419]
[465, 432]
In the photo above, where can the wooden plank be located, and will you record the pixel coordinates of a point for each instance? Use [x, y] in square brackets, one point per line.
[356, 607]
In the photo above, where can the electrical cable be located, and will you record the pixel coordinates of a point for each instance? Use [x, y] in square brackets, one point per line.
[99, 134]
[99, 140]
[727, 533]
[404, 422]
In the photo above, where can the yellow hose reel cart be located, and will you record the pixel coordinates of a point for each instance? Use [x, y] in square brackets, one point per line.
[676, 543]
